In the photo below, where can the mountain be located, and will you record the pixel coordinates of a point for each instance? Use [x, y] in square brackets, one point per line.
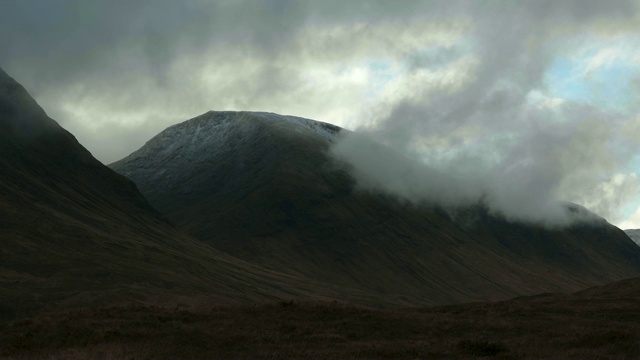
[74, 232]
[634, 234]
[263, 187]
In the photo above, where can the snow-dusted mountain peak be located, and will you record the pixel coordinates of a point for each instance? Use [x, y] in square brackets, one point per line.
[241, 138]
[216, 129]
[215, 126]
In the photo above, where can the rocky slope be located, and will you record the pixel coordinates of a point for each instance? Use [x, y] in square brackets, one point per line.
[263, 188]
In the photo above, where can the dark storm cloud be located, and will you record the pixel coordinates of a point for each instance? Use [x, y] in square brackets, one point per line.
[74, 37]
[69, 40]
[121, 54]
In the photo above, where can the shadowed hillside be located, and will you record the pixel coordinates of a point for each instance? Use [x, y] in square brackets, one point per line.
[263, 188]
[633, 234]
[74, 232]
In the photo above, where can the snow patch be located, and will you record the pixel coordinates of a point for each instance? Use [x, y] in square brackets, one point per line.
[208, 136]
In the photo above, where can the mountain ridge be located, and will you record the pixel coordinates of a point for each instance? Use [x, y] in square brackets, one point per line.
[268, 191]
[634, 234]
[76, 233]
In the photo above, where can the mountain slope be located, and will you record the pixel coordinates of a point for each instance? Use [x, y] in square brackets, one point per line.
[263, 188]
[633, 234]
[75, 232]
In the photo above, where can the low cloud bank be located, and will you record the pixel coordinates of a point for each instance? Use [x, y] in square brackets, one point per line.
[488, 126]
[522, 195]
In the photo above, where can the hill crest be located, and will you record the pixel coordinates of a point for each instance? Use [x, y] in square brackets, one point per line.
[267, 190]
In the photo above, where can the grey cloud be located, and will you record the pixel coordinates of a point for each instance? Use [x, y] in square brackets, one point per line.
[551, 155]
[124, 70]
[73, 41]
[124, 55]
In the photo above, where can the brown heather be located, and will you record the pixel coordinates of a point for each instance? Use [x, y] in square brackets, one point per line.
[600, 323]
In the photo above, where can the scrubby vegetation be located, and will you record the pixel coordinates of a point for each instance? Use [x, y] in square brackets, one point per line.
[551, 326]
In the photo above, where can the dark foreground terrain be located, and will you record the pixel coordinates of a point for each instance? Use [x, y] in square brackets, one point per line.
[602, 322]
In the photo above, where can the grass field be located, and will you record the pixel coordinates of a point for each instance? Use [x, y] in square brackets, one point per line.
[581, 326]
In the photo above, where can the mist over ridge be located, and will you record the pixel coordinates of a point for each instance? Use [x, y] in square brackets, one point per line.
[489, 129]
[379, 168]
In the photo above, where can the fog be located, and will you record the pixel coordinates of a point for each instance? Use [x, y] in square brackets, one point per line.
[493, 134]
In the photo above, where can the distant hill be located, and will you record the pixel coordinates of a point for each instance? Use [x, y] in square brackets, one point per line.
[262, 187]
[74, 232]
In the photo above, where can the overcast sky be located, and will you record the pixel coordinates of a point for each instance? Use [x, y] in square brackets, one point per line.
[527, 101]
